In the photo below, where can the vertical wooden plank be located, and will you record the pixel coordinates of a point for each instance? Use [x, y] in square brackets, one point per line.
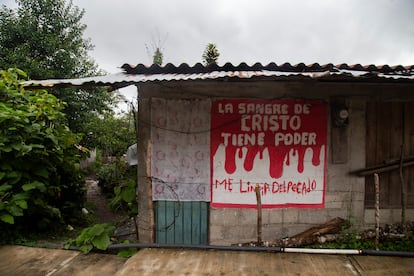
[371, 142]
[186, 210]
[384, 114]
[160, 219]
[181, 222]
[178, 229]
[195, 222]
[204, 223]
[144, 133]
[409, 150]
[396, 130]
[149, 193]
[170, 221]
[385, 125]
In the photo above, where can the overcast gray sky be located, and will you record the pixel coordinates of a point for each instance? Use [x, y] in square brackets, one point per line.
[323, 31]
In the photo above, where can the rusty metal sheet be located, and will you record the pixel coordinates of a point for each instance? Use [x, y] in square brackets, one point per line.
[142, 74]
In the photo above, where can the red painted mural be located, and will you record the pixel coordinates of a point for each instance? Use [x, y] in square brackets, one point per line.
[279, 145]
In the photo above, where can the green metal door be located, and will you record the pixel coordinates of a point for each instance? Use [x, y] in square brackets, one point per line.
[181, 222]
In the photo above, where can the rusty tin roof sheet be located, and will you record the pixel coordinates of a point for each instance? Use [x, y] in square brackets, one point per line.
[155, 73]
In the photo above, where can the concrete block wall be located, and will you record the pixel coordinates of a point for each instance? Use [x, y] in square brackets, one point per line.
[387, 216]
[345, 193]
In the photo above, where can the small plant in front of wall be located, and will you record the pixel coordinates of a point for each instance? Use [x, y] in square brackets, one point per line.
[97, 236]
[125, 199]
[127, 252]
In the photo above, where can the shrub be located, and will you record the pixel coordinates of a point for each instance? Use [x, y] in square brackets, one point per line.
[40, 178]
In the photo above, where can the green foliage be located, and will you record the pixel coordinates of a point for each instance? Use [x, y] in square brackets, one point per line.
[118, 180]
[40, 180]
[97, 236]
[127, 252]
[109, 133]
[158, 56]
[107, 177]
[125, 197]
[210, 54]
[355, 240]
[45, 39]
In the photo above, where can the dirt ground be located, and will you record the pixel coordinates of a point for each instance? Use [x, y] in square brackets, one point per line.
[99, 205]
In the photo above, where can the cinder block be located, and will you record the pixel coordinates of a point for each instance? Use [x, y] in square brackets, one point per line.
[336, 200]
[313, 216]
[333, 213]
[215, 234]
[297, 228]
[272, 232]
[387, 216]
[273, 216]
[241, 233]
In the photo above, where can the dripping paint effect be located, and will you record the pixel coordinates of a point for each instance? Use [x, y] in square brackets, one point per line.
[230, 161]
[278, 158]
[250, 157]
[288, 158]
[316, 160]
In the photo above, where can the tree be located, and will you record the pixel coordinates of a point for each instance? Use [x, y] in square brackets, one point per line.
[40, 180]
[210, 55]
[112, 134]
[44, 38]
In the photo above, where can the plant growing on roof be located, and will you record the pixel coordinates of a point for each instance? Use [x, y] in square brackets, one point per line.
[157, 47]
[210, 54]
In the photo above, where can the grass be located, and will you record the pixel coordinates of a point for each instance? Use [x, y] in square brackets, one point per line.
[353, 240]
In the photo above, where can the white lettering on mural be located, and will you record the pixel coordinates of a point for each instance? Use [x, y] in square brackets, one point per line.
[257, 119]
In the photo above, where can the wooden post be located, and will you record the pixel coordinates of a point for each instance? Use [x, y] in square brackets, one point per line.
[259, 214]
[377, 208]
[402, 182]
[136, 125]
[149, 192]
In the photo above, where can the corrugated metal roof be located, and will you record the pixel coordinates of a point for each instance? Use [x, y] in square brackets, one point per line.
[155, 73]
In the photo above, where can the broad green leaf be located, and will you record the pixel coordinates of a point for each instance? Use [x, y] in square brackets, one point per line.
[20, 196]
[21, 72]
[86, 248]
[13, 177]
[34, 185]
[21, 203]
[6, 148]
[101, 242]
[128, 195]
[29, 186]
[126, 253]
[43, 172]
[5, 188]
[97, 230]
[7, 218]
[15, 210]
[117, 190]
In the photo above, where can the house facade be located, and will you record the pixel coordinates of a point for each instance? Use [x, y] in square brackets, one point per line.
[303, 140]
